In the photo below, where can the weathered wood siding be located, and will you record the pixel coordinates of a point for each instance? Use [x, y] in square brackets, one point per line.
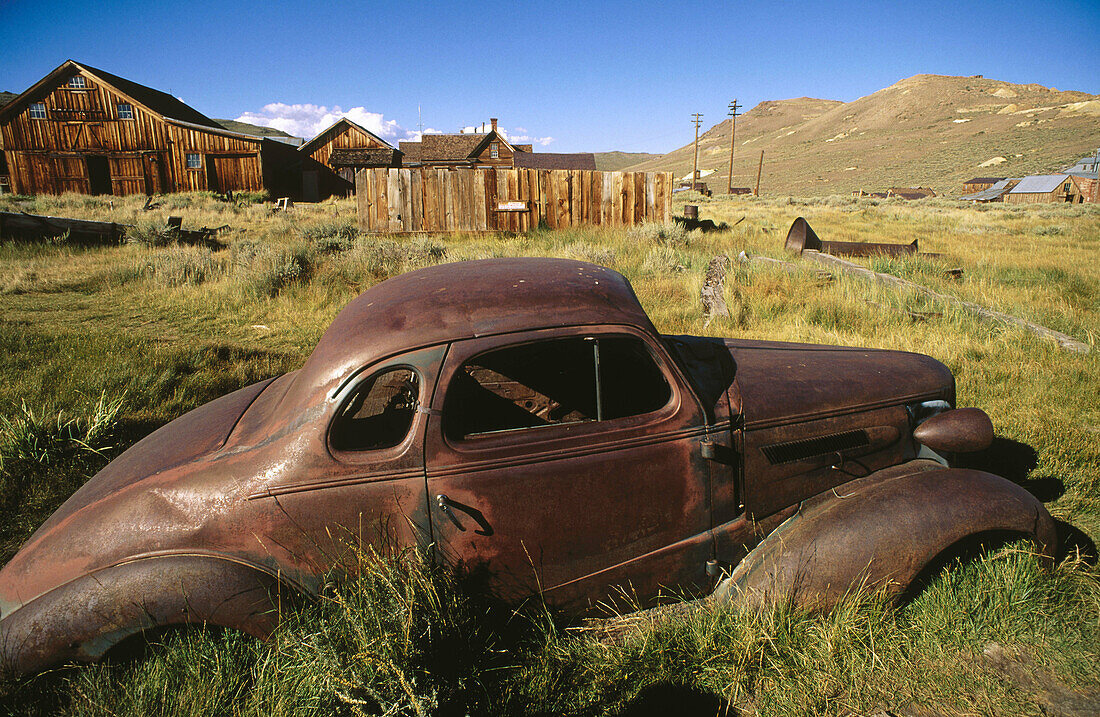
[343, 136]
[441, 200]
[144, 154]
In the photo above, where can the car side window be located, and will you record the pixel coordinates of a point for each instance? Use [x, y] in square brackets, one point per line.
[379, 413]
[556, 382]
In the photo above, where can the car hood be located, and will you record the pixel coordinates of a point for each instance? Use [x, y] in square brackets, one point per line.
[783, 383]
[135, 497]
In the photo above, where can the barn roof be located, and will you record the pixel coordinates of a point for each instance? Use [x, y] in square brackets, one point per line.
[551, 160]
[318, 140]
[158, 102]
[364, 157]
[1039, 184]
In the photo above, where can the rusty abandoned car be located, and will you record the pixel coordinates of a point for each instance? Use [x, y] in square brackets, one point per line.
[522, 416]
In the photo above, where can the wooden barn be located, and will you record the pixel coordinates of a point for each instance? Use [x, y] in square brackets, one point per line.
[470, 149]
[330, 159]
[81, 129]
[1045, 189]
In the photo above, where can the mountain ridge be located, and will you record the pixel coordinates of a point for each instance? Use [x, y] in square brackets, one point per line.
[926, 130]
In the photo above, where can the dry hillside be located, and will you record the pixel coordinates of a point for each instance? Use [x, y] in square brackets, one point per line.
[928, 130]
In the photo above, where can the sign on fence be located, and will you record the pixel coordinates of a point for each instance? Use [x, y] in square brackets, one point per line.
[468, 199]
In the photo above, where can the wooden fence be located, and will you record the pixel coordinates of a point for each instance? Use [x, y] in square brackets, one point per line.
[468, 199]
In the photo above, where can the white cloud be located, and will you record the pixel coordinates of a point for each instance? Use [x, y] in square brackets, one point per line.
[518, 135]
[306, 120]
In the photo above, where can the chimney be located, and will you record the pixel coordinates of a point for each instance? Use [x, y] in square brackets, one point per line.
[483, 128]
[493, 121]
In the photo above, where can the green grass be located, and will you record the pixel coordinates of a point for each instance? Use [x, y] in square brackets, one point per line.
[101, 345]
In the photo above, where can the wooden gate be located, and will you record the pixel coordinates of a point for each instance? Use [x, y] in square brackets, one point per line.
[468, 199]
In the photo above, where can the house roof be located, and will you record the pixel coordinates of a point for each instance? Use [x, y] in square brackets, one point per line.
[1039, 184]
[551, 160]
[363, 157]
[156, 101]
[411, 151]
[449, 147]
[317, 141]
[983, 180]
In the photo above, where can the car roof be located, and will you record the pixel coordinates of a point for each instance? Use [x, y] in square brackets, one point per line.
[464, 300]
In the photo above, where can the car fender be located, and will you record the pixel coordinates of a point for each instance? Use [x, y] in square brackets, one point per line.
[881, 531]
[82, 619]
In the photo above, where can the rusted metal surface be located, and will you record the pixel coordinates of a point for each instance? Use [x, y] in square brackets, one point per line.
[964, 430]
[801, 237]
[231, 510]
[938, 508]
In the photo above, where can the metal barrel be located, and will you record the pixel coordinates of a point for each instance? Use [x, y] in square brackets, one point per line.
[691, 211]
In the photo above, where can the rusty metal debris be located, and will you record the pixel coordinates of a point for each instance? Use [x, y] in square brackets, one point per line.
[524, 419]
[801, 237]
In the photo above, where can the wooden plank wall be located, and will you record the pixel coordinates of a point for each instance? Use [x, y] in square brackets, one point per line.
[441, 200]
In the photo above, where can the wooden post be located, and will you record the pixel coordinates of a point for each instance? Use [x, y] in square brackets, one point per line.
[733, 136]
[697, 120]
[759, 169]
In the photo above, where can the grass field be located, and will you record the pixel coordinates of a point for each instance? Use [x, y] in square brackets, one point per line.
[101, 345]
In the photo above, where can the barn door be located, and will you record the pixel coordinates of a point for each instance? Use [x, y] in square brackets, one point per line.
[212, 182]
[99, 174]
[154, 174]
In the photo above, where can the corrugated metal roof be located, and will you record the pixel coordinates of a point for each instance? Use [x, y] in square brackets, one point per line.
[1039, 184]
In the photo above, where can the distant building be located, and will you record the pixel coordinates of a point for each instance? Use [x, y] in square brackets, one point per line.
[910, 192]
[977, 184]
[81, 129]
[994, 193]
[465, 149]
[1046, 188]
[1087, 167]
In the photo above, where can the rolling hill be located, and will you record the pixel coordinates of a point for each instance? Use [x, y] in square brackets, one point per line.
[615, 161]
[929, 130]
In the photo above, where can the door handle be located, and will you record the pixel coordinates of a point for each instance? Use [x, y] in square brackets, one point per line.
[449, 507]
[444, 504]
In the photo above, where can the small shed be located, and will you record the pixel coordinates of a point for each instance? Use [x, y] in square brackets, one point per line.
[320, 179]
[978, 184]
[1045, 189]
[994, 193]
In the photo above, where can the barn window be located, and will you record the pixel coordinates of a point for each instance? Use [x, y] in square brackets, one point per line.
[494, 150]
[194, 161]
[77, 82]
[125, 111]
[38, 110]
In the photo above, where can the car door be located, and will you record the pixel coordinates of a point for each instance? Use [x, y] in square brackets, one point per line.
[568, 461]
[363, 488]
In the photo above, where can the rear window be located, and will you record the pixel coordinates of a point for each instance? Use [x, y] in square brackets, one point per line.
[379, 414]
[558, 382]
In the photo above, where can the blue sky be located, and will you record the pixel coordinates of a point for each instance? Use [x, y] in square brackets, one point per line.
[568, 76]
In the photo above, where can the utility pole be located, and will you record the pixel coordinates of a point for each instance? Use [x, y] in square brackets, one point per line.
[733, 134]
[696, 118]
[756, 192]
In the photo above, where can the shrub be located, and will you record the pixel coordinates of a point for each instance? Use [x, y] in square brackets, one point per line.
[267, 270]
[654, 233]
[182, 266]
